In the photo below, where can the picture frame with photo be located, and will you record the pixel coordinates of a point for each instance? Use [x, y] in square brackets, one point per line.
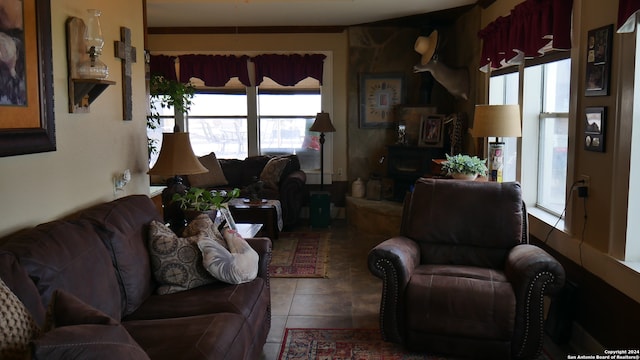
[594, 128]
[598, 69]
[431, 130]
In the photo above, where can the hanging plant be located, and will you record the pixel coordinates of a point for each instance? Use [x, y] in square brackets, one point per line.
[166, 94]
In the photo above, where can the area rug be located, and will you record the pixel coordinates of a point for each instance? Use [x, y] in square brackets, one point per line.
[300, 255]
[345, 344]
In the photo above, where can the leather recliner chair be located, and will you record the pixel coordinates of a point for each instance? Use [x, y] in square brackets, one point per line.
[460, 278]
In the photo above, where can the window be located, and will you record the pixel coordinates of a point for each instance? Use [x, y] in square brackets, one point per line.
[545, 110]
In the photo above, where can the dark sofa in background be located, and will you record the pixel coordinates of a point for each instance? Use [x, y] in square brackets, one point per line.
[289, 189]
[100, 257]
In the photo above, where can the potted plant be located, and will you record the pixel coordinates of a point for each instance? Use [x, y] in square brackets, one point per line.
[165, 94]
[464, 166]
[196, 201]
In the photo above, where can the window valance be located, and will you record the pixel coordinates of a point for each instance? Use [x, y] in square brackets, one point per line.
[627, 13]
[214, 70]
[532, 28]
[288, 70]
[163, 65]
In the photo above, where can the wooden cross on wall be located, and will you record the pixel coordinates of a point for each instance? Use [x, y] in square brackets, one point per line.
[127, 54]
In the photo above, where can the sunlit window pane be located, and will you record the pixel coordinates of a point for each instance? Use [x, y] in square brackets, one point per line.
[503, 90]
[552, 169]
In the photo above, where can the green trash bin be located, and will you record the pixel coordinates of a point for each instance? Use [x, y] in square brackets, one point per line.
[319, 209]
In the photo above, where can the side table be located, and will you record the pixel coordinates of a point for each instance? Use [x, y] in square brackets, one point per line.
[267, 212]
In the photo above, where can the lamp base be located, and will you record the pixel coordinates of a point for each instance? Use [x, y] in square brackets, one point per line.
[496, 161]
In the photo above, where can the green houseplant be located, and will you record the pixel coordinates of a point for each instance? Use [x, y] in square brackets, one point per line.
[165, 94]
[464, 166]
[196, 201]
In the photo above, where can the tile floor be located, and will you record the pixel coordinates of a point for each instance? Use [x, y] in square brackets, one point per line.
[348, 298]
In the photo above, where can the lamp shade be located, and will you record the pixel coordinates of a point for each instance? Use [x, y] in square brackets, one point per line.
[323, 123]
[497, 121]
[176, 157]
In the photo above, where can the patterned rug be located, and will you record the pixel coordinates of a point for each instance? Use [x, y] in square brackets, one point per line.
[345, 344]
[300, 255]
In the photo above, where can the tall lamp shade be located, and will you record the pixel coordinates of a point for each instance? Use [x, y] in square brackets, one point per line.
[176, 158]
[496, 121]
[322, 124]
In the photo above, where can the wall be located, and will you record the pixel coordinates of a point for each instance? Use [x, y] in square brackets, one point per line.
[274, 43]
[91, 148]
[608, 288]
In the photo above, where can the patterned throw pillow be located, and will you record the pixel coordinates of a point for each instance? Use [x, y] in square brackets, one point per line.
[237, 265]
[203, 225]
[215, 176]
[175, 261]
[17, 327]
[273, 170]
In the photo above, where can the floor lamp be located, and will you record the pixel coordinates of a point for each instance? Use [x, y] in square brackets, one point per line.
[322, 124]
[319, 207]
[496, 121]
[176, 158]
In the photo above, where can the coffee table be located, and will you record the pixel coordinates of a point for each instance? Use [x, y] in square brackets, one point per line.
[266, 212]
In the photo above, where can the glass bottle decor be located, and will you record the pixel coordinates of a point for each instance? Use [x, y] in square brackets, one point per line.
[93, 68]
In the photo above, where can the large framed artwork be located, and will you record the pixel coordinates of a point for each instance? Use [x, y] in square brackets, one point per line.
[379, 94]
[26, 78]
[600, 42]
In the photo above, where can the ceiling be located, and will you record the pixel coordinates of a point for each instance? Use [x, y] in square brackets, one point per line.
[288, 13]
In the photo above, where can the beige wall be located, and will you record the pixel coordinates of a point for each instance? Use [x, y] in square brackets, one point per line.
[91, 148]
[336, 43]
[604, 197]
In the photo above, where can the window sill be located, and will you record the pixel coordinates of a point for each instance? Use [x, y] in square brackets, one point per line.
[622, 275]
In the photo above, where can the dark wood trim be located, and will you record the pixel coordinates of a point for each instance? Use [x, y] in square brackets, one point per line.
[485, 3]
[245, 30]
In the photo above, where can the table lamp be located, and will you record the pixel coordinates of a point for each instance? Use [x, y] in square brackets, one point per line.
[496, 121]
[176, 158]
[322, 124]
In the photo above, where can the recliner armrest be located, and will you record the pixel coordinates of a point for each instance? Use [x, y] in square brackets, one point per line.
[533, 273]
[393, 261]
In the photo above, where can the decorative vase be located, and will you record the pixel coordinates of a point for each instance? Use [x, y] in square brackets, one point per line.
[461, 176]
[357, 188]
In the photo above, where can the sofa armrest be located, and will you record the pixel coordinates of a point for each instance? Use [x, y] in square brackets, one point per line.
[533, 273]
[262, 245]
[292, 195]
[393, 261]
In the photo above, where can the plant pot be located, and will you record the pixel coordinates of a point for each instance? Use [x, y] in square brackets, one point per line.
[189, 215]
[461, 176]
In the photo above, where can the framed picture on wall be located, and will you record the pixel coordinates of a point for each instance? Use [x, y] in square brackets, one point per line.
[379, 95]
[599, 44]
[594, 128]
[431, 129]
[26, 82]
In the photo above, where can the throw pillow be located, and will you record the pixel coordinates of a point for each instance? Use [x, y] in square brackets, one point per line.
[77, 330]
[176, 262]
[17, 327]
[237, 265]
[215, 176]
[203, 225]
[273, 170]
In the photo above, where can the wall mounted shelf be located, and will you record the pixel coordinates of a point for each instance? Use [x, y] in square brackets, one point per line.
[82, 91]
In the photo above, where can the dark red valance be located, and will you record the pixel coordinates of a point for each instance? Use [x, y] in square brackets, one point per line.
[214, 70]
[288, 70]
[163, 65]
[533, 28]
[627, 10]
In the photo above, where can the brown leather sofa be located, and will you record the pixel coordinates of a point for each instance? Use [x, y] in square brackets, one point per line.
[290, 190]
[460, 278]
[100, 257]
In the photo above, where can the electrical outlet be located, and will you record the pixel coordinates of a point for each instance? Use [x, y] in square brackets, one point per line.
[586, 180]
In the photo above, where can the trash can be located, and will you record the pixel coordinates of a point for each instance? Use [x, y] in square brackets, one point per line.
[319, 209]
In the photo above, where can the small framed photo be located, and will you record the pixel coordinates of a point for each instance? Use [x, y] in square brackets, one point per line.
[594, 128]
[431, 129]
[599, 44]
